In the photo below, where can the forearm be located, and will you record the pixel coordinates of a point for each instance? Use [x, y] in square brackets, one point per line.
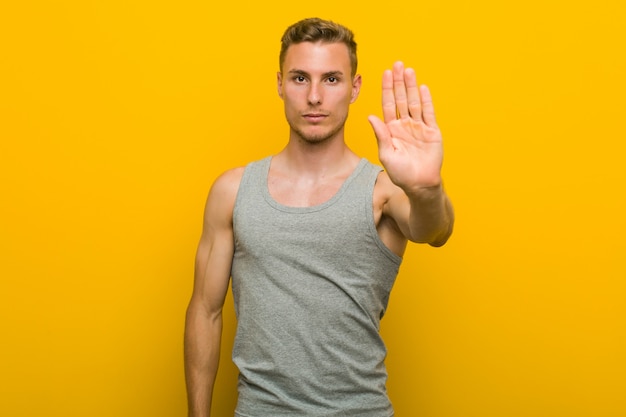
[202, 352]
[431, 216]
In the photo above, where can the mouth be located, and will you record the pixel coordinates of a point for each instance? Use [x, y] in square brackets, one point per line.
[314, 117]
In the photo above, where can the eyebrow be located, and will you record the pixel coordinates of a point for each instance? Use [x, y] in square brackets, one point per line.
[324, 75]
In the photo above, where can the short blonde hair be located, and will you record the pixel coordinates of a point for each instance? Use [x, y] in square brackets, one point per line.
[318, 30]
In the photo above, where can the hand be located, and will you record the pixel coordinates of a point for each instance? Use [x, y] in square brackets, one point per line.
[410, 145]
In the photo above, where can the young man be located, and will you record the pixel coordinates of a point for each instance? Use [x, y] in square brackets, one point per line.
[313, 239]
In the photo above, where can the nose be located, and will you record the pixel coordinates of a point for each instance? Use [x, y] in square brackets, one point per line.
[314, 96]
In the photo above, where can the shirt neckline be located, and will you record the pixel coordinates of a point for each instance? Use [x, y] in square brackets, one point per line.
[308, 209]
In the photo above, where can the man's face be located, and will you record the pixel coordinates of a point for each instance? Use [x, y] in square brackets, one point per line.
[317, 89]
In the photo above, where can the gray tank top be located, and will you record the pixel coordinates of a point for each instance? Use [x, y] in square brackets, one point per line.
[310, 286]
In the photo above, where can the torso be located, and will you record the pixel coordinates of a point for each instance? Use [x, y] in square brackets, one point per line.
[310, 302]
[301, 192]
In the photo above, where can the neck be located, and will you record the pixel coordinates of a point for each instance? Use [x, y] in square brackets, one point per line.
[317, 159]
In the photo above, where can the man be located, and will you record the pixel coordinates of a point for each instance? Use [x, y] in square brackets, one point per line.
[313, 239]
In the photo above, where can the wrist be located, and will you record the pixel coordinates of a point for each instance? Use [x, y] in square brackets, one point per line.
[425, 192]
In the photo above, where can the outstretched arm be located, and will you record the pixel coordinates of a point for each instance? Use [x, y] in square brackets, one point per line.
[410, 147]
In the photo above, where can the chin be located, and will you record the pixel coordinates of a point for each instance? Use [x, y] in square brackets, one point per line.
[314, 139]
[316, 136]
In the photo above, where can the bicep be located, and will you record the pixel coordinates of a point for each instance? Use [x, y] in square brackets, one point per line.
[212, 270]
[390, 219]
[216, 247]
[395, 205]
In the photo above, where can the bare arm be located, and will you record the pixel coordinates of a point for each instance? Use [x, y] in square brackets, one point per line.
[203, 326]
[426, 216]
[411, 150]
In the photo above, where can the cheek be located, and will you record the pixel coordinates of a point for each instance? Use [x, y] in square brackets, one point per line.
[292, 96]
[344, 100]
[290, 102]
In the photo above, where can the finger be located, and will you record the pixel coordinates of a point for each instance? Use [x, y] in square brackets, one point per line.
[380, 130]
[389, 103]
[413, 95]
[399, 90]
[428, 110]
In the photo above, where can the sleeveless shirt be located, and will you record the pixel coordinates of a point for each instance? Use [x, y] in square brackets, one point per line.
[310, 286]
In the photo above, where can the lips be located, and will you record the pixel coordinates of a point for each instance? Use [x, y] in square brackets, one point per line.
[314, 117]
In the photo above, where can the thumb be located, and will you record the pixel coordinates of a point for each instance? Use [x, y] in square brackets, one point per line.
[380, 130]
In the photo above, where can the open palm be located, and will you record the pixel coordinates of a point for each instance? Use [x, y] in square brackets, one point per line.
[410, 145]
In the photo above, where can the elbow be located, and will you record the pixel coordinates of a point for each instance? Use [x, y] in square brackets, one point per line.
[439, 242]
[435, 237]
[442, 238]
[199, 311]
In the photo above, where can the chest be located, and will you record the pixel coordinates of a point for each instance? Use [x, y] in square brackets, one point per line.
[293, 192]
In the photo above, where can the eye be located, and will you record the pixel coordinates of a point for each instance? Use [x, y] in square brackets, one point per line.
[333, 80]
[299, 79]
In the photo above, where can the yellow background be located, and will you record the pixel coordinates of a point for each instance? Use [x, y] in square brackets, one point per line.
[116, 116]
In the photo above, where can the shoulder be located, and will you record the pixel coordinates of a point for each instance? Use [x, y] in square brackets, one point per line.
[385, 189]
[227, 183]
[391, 200]
[223, 193]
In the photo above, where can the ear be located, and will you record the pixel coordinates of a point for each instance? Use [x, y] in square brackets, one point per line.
[356, 88]
[279, 84]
